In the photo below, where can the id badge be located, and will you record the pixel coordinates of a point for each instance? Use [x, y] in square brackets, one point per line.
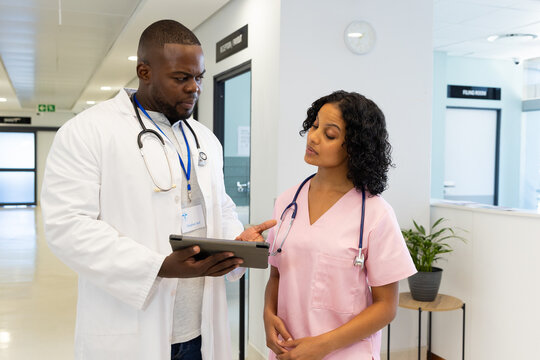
[192, 219]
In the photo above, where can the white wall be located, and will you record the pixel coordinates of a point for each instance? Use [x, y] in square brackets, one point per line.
[496, 274]
[298, 54]
[397, 75]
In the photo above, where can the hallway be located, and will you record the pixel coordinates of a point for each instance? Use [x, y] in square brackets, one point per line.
[38, 292]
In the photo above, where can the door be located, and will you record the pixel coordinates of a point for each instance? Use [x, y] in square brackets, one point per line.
[471, 155]
[232, 126]
[530, 172]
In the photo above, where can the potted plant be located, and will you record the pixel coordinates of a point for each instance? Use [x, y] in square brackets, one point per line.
[425, 249]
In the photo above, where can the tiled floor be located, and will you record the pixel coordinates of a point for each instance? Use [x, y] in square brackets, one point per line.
[38, 293]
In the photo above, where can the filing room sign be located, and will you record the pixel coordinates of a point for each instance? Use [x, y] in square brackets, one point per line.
[474, 92]
[232, 44]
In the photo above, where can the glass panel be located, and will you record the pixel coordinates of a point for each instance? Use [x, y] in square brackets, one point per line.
[17, 150]
[236, 170]
[17, 187]
[530, 180]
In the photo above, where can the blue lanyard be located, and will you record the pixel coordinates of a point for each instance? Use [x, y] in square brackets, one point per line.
[186, 172]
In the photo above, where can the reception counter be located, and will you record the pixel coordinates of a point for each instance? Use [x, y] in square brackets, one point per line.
[497, 274]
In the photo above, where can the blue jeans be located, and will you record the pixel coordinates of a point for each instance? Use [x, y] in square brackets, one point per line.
[189, 350]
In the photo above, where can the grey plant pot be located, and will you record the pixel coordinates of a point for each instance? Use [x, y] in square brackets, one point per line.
[425, 285]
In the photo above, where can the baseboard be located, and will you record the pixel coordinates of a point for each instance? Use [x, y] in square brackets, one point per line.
[435, 357]
[253, 353]
[406, 354]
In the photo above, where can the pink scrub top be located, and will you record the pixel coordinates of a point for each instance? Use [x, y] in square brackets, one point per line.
[319, 287]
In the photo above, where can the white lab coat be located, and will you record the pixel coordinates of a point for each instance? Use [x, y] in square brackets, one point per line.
[103, 219]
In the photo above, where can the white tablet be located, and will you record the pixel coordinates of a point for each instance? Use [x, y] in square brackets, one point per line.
[254, 253]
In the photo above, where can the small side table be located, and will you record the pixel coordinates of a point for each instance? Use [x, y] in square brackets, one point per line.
[441, 303]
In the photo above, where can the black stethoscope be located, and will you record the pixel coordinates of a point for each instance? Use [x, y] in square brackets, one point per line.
[145, 131]
[293, 206]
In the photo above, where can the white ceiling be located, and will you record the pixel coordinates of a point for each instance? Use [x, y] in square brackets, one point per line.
[62, 52]
[461, 27]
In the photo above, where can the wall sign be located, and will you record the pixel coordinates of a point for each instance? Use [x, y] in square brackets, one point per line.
[46, 108]
[232, 44]
[15, 120]
[473, 92]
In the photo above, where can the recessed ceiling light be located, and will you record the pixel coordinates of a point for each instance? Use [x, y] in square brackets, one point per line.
[132, 58]
[512, 38]
[90, 102]
[3, 99]
[106, 88]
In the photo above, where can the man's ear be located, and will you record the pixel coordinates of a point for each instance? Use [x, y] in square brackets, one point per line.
[144, 72]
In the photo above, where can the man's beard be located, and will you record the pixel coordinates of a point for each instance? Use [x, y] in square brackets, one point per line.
[171, 113]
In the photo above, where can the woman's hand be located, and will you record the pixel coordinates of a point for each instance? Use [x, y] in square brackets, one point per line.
[275, 327]
[308, 348]
[254, 233]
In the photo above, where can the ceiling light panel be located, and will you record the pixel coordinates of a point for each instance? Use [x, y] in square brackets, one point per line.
[50, 63]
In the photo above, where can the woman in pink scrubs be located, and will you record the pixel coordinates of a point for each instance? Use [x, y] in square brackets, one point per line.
[318, 304]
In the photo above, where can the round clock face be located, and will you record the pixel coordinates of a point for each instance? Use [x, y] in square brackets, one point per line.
[359, 37]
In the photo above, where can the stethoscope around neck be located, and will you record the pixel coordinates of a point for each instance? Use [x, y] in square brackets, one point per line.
[293, 206]
[145, 131]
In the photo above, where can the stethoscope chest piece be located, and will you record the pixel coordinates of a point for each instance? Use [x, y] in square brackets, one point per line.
[359, 260]
[202, 158]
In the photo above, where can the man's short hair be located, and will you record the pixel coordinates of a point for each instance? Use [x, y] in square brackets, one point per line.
[165, 32]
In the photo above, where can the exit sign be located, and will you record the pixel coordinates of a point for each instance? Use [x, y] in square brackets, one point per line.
[46, 108]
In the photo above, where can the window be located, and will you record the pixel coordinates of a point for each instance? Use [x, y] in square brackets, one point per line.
[17, 168]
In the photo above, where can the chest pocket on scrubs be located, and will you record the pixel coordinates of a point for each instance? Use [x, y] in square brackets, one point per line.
[337, 285]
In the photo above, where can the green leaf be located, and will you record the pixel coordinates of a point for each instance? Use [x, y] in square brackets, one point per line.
[425, 249]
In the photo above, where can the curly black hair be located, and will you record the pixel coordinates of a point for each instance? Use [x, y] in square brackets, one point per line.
[366, 138]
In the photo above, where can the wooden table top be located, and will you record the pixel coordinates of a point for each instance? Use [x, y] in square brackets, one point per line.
[441, 303]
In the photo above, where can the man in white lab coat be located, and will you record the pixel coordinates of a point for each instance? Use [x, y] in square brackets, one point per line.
[108, 213]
